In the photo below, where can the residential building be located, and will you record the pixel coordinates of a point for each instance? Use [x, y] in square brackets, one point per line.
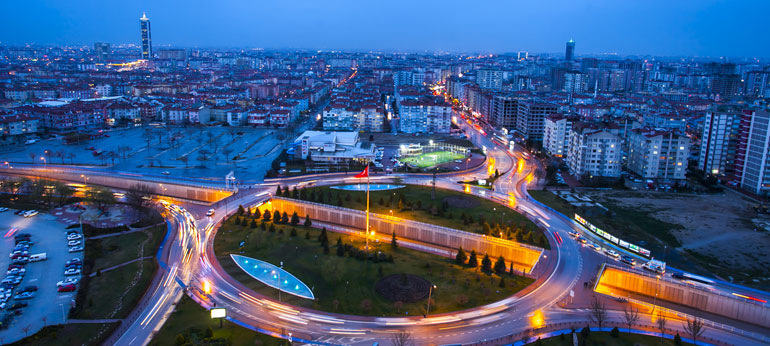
[594, 152]
[531, 119]
[13, 124]
[489, 79]
[503, 111]
[575, 82]
[753, 162]
[657, 154]
[556, 133]
[719, 141]
[427, 114]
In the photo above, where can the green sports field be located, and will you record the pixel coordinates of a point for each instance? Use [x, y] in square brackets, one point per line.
[432, 159]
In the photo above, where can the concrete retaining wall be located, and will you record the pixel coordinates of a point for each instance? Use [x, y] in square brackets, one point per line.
[524, 257]
[192, 192]
[687, 295]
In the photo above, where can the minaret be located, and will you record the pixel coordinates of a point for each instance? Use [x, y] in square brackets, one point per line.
[146, 37]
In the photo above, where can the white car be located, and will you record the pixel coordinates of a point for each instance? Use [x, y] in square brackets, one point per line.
[30, 213]
[74, 236]
[76, 248]
[574, 234]
[210, 212]
[2, 209]
[68, 281]
[612, 253]
[74, 242]
[72, 271]
[165, 173]
[16, 271]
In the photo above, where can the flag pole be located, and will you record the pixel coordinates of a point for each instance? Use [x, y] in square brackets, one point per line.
[367, 205]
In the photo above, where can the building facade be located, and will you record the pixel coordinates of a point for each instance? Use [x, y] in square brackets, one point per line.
[654, 154]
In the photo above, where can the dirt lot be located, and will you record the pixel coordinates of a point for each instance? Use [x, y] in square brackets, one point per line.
[713, 226]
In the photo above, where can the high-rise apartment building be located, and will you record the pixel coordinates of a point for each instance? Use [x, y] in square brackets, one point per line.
[425, 115]
[531, 119]
[146, 37]
[719, 141]
[489, 79]
[102, 50]
[570, 53]
[655, 154]
[575, 81]
[556, 134]
[753, 161]
[594, 152]
[503, 111]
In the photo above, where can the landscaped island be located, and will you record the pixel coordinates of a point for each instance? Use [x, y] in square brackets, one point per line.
[388, 280]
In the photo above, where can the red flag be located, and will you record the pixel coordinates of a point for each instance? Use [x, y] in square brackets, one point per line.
[363, 174]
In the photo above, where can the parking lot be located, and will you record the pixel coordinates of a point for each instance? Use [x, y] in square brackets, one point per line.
[47, 306]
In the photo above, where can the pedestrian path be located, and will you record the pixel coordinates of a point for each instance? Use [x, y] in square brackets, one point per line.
[120, 265]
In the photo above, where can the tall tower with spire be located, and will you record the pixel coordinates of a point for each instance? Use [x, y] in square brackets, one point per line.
[146, 37]
[570, 53]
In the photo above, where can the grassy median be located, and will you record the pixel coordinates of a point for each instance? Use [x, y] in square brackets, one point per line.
[452, 209]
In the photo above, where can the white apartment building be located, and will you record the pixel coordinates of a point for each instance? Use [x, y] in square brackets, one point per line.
[425, 115]
[489, 79]
[575, 82]
[755, 170]
[654, 154]
[367, 118]
[595, 152]
[719, 141]
[556, 134]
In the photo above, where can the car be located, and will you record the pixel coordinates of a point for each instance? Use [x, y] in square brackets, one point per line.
[165, 173]
[210, 212]
[74, 242]
[73, 266]
[15, 271]
[574, 234]
[74, 261]
[19, 212]
[21, 260]
[612, 253]
[628, 260]
[24, 295]
[72, 271]
[30, 213]
[2, 209]
[11, 266]
[74, 236]
[25, 242]
[22, 236]
[76, 248]
[68, 281]
[30, 288]
[17, 254]
[12, 280]
[66, 288]
[582, 239]
[17, 306]
[595, 246]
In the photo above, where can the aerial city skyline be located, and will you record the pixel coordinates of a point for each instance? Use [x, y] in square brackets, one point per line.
[404, 174]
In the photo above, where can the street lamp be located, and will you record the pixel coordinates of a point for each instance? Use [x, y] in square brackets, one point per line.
[84, 178]
[45, 162]
[430, 292]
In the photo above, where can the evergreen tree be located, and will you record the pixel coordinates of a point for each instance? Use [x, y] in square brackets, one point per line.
[393, 241]
[240, 210]
[253, 224]
[323, 238]
[278, 191]
[461, 256]
[263, 225]
[294, 192]
[326, 248]
[502, 282]
[340, 250]
[307, 235]
[294, 219]
[339, 241]
[308, 223]
[276, 216]
[257, 213]
[285, 218]
[472, 260]
[293, 233]
[677, 339]
[244, 223]
[272, 228]
[500, 266]
[266, 216]
[486, 264]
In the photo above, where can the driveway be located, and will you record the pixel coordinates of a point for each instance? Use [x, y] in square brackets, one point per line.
[50, 237]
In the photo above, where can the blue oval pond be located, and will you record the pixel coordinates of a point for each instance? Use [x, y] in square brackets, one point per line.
[273, 276]
[372, 187]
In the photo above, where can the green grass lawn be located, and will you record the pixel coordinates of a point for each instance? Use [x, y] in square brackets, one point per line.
[448, 209]
[632, 225]
[120, 249]
[191, 321]
[67, 335]
[432, 159]
[104, 292]
[345, 284]
[604, 338]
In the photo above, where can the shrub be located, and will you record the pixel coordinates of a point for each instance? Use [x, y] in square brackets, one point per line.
[615, 333]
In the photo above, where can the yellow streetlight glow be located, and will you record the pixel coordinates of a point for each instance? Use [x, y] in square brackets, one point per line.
[537, 320]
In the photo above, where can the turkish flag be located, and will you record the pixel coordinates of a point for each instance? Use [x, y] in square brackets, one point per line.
[363, 174]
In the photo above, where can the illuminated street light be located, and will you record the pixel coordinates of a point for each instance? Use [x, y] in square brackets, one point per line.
[430, 292]
[45, 162]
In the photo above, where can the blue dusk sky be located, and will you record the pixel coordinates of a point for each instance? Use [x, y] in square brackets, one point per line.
[627, 27]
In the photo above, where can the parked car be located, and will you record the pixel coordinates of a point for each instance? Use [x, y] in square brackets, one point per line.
[30, 288]
[2, 209]
[165, 173]
[17, 254]
[17, 306]
[24, 295]
[16, 271]
[19, 212]
[74, 236]
[72, 271]
[74, 261]
[21, 260]
[74, 242]
[76, 248]
[210, 212]
[68, 281]
[66, 288]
